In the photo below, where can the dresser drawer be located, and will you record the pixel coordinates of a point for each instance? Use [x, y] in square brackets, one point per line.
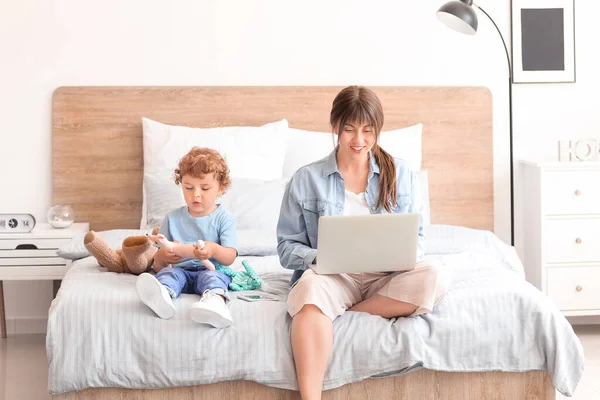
[571, 240]
[12, 244]
[571, 192]
[32, 272]
[27, 253]
[574, 288]
[30, 261]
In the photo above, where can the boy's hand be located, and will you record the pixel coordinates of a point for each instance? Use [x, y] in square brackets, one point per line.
[167, 257]
[207, 252]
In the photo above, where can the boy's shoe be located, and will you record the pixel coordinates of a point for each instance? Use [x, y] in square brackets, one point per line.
[155, 295]
[211, 310]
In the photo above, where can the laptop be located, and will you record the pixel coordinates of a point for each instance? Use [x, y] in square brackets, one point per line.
[367, 243]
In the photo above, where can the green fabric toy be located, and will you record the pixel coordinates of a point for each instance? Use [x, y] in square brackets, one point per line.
[242, 280]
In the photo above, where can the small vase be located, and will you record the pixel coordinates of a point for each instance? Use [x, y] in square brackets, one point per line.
[60, 216]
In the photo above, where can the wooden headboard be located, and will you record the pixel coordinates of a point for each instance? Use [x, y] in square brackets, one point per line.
[97, 157]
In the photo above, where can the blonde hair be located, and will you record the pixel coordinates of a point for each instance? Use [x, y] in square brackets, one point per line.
[200, 161]
[360, 104]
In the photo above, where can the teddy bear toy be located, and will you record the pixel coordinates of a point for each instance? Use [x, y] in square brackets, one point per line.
[135, 256]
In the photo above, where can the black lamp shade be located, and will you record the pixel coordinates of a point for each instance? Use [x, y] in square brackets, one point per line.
[459, 15]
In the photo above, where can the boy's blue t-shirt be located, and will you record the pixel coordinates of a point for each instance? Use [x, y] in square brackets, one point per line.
[217, 227]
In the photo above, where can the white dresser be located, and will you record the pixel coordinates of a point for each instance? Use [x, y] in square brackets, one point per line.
[562, 233]
[32, 256]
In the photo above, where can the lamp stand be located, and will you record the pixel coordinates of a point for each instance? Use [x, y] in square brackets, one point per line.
[510, 78]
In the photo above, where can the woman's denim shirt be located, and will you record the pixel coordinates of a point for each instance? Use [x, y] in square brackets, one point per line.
[316, 190]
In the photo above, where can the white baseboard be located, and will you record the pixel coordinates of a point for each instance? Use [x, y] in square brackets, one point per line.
[26, 325]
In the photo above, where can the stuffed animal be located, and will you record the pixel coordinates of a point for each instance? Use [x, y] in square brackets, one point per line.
[135, 256]
[242, 280]
[247, 280]
[182, 250]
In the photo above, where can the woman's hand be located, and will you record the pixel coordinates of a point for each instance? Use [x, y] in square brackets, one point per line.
[207, 252]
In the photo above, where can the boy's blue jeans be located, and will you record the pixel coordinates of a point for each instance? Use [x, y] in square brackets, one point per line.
[192, 280]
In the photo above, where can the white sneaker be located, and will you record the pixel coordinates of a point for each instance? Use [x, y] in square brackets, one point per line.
[211, 310]
[155, 295]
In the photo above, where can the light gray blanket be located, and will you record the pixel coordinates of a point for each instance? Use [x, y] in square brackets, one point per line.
[100, 334]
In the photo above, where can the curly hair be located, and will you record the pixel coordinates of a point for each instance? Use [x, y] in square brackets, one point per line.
[200, 161]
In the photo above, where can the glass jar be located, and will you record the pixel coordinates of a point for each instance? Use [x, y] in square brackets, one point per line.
[60, 216]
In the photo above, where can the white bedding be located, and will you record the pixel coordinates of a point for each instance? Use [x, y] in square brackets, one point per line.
[100, 334]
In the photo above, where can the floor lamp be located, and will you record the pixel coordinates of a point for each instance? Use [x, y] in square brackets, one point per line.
[460, 16]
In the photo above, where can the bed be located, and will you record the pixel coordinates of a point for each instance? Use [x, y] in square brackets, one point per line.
[507, 340]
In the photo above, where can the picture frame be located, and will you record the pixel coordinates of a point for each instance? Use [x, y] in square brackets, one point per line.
[543, 41]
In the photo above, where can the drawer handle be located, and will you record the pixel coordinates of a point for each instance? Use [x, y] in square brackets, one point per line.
[26, 247]
[578, 240]
[579, 288]
[578, 192]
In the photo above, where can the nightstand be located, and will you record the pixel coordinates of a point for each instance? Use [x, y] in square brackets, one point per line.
[32, 256]
[562, 233]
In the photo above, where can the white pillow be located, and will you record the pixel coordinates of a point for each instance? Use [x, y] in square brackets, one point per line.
[449, 239]
[75, 249]
[424, 187]
[256, 242]
[405, 143]
[305, 147]
[255, 204]
[251, 153]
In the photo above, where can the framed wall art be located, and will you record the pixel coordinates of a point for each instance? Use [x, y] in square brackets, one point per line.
[543, 41]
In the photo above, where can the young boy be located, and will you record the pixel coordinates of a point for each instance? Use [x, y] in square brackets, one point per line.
[204, 176]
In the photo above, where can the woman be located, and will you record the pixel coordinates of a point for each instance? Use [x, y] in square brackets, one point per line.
[358, 177]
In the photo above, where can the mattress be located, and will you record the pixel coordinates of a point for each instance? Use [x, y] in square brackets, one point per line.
[492, 319]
